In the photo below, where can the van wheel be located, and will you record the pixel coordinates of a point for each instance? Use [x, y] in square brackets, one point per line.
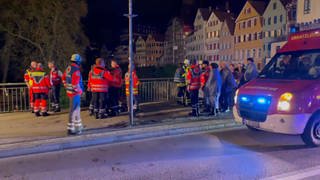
[311, 134]
[252, 128]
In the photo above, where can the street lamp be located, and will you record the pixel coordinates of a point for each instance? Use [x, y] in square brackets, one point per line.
[130, 17]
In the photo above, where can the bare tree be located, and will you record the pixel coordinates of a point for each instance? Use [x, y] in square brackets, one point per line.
[42, 30]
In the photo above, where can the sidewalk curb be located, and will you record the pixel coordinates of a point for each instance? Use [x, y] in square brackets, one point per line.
[113, 137]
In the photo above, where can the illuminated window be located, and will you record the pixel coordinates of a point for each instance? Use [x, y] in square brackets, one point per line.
[274, 6]
[306, 7]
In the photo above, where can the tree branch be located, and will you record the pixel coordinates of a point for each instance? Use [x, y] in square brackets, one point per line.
[23, 38]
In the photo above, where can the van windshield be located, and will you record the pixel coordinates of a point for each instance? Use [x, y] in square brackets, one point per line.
[293, 65]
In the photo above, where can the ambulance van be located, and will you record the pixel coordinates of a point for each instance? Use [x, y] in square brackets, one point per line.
[285, 98]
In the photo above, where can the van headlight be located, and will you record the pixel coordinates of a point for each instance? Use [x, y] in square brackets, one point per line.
[236, 96]
[284, 103]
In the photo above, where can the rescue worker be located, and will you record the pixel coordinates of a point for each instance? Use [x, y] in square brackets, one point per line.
[115, 88]
[28, 82]
[72, 81]
[186, 68]
[203, 80]
[193, 81]
[136, 83]
[98, 83]
[55, 81]
[180, 80]
[40, 88]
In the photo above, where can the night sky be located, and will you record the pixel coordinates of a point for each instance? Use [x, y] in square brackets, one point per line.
[105, 20]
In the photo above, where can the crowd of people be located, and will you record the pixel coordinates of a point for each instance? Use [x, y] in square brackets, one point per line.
[104, 84]
[215, 84]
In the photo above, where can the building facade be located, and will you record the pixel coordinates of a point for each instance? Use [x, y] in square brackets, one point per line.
[226, 39]
[275, 26]
[195, 43]
[308, 14]
[213, 32]
[174, 49]
[140, 55]
[248, 32]
[154, 50]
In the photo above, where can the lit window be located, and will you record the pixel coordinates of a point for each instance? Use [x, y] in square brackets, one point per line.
[306, 7]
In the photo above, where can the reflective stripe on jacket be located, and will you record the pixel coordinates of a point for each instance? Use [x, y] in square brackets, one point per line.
[40, 82]
[73, 80]
[135, 83]
[193, 78]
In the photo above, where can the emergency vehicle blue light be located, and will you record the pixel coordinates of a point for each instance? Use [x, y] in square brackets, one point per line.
[244, 99]
[262, 101]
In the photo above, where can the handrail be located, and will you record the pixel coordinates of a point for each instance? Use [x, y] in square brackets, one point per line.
[15, 96]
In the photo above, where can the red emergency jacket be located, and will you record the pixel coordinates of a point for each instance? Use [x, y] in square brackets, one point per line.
[40, 82]
[204, 76]
[117, 75]
[193, 78]
[72, 80]
[99, 79]
[55, 77]
[135, 83]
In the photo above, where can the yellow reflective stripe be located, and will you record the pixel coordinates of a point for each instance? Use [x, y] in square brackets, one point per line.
[37, 73]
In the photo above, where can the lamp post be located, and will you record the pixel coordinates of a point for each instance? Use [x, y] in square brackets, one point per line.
[130, 17]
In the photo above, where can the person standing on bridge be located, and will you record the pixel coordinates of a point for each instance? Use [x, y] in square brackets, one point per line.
[193, 81]
[55, 80]
[136, 83]
[203, 80]
[40, 88]
[28, 82]
[115, 87]
[98, 83]
[72, 81]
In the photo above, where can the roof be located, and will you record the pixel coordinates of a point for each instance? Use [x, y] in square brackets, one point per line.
[230, 23]
[286, 2]
[259, 6]
[205, 13]
[221, 15]
[158, 37]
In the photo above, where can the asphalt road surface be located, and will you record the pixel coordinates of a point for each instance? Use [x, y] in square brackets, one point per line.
[236, 154]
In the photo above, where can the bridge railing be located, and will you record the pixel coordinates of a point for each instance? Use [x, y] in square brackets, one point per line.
[14, 97]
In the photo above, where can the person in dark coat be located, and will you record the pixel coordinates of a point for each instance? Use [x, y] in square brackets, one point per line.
[228, 87]
[251, 71]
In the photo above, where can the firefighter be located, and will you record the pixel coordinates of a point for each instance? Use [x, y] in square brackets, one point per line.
[203, 80]
[115, 87]
[72, 81]
[193, 81]
[186, 68]
[28, 82]
[40, 88]
[98, 84]
[55, 80]
[180, 80]
[136, 83]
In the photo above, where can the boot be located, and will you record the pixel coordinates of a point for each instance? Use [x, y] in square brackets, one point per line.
[57, 109]
[44, 114]
[37, 114]
[212, 113]
[91, 113]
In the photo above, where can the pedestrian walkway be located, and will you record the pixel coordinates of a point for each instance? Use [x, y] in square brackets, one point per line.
[156, 119]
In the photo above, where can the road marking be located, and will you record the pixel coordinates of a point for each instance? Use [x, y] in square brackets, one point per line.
[301, 174]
